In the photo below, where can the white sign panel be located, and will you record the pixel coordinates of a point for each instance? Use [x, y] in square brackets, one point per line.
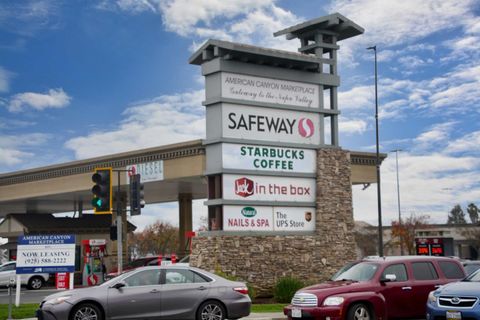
[149, 171]
[268, 188]
[267, 218]
[294, 218]
[46, 254]
[259, 89]
[256, 123]
[243, 218]
[266, 158]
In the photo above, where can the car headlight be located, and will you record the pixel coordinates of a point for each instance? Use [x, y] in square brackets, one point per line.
[432, 298]
[333, 301]
[58, 300]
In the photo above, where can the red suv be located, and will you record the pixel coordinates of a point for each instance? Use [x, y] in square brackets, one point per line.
[376, 288]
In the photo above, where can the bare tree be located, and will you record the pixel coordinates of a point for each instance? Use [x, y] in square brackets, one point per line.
[405, 232]
[158, 238]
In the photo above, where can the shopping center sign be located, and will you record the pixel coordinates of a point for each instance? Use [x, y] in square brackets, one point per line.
[268, 188]
[268, 124]
[262, 158]
[267, 90]
[46, 254]
[268, 218]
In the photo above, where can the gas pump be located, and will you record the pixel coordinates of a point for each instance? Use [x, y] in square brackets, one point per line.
[93, 268]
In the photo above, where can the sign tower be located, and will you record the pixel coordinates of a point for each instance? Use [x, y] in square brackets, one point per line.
[271, 142]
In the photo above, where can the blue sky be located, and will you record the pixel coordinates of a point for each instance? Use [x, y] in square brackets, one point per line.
[66, 66]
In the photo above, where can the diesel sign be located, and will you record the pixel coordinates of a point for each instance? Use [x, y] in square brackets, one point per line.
[256, 123]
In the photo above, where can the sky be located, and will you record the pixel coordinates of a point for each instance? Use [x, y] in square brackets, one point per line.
[80, 79]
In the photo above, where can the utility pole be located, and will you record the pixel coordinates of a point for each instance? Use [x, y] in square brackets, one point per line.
[398, 200]
[379, 197]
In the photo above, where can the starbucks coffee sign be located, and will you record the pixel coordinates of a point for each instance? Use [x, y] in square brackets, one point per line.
[262, 158]
[268, 218]
[272, 91]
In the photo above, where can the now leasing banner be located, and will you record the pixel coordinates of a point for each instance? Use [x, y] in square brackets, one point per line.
[46, 254]
[268, 188]
[267, 158]
[259, 89]
[256, 123]
[267, 218]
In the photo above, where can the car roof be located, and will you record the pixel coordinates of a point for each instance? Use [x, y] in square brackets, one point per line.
[471, 262]
[407, 258]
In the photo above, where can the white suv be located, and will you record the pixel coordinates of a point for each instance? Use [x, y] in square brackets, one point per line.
[32, 281]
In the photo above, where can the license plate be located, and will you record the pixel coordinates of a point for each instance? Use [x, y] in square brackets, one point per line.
[296, 313]
[454, 315]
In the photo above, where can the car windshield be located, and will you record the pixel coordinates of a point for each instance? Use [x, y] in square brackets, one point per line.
[470, 268]
[474, 277]
[362, 271]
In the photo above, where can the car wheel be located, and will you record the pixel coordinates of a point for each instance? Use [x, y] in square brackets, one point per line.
[211, 310]
[35, 283]
[359, 311]
[86, 311]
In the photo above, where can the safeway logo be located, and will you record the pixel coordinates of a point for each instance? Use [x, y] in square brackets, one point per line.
[244, 187]
[306, 127]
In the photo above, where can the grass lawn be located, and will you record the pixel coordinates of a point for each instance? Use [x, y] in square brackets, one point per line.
[23, 311]
[274, 307]
[28, 310]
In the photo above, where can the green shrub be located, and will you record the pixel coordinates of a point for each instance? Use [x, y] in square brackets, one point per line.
[285, 289]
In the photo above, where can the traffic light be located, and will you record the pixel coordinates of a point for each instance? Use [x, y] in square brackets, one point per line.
[137, 195]
[102, 190]
[113, 232]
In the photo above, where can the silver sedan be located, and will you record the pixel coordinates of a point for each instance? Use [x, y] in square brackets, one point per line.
[156, 292]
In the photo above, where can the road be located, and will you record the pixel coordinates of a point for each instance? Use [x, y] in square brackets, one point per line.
[26, 296]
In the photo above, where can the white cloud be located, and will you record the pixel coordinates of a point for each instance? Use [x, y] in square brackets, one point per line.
[183, 16]
[439, 132]
[356, 126]
[13, 148]
[469, 143]
[30, 16]
[54, 98]
[397, 22]
[131, 6]
[165, 120]
[429, 185]
[10, 157]
[356, 98]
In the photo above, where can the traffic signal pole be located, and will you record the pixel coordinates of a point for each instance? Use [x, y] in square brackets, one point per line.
[119, 226]
[102, 201]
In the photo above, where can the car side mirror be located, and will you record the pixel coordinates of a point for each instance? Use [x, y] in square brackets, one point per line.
[389, 278]
[119, 285]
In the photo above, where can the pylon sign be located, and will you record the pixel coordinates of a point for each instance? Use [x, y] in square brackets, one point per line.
[102, 190]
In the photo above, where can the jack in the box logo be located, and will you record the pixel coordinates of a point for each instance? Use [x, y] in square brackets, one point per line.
[244, 187]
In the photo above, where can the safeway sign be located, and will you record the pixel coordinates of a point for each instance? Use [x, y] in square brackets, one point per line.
[46, 253]
[268, 124]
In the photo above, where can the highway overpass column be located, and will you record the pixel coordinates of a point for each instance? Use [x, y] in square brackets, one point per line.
[185, 220]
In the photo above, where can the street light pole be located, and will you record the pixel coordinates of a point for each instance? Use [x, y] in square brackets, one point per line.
[379, 198]
[398, 200]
